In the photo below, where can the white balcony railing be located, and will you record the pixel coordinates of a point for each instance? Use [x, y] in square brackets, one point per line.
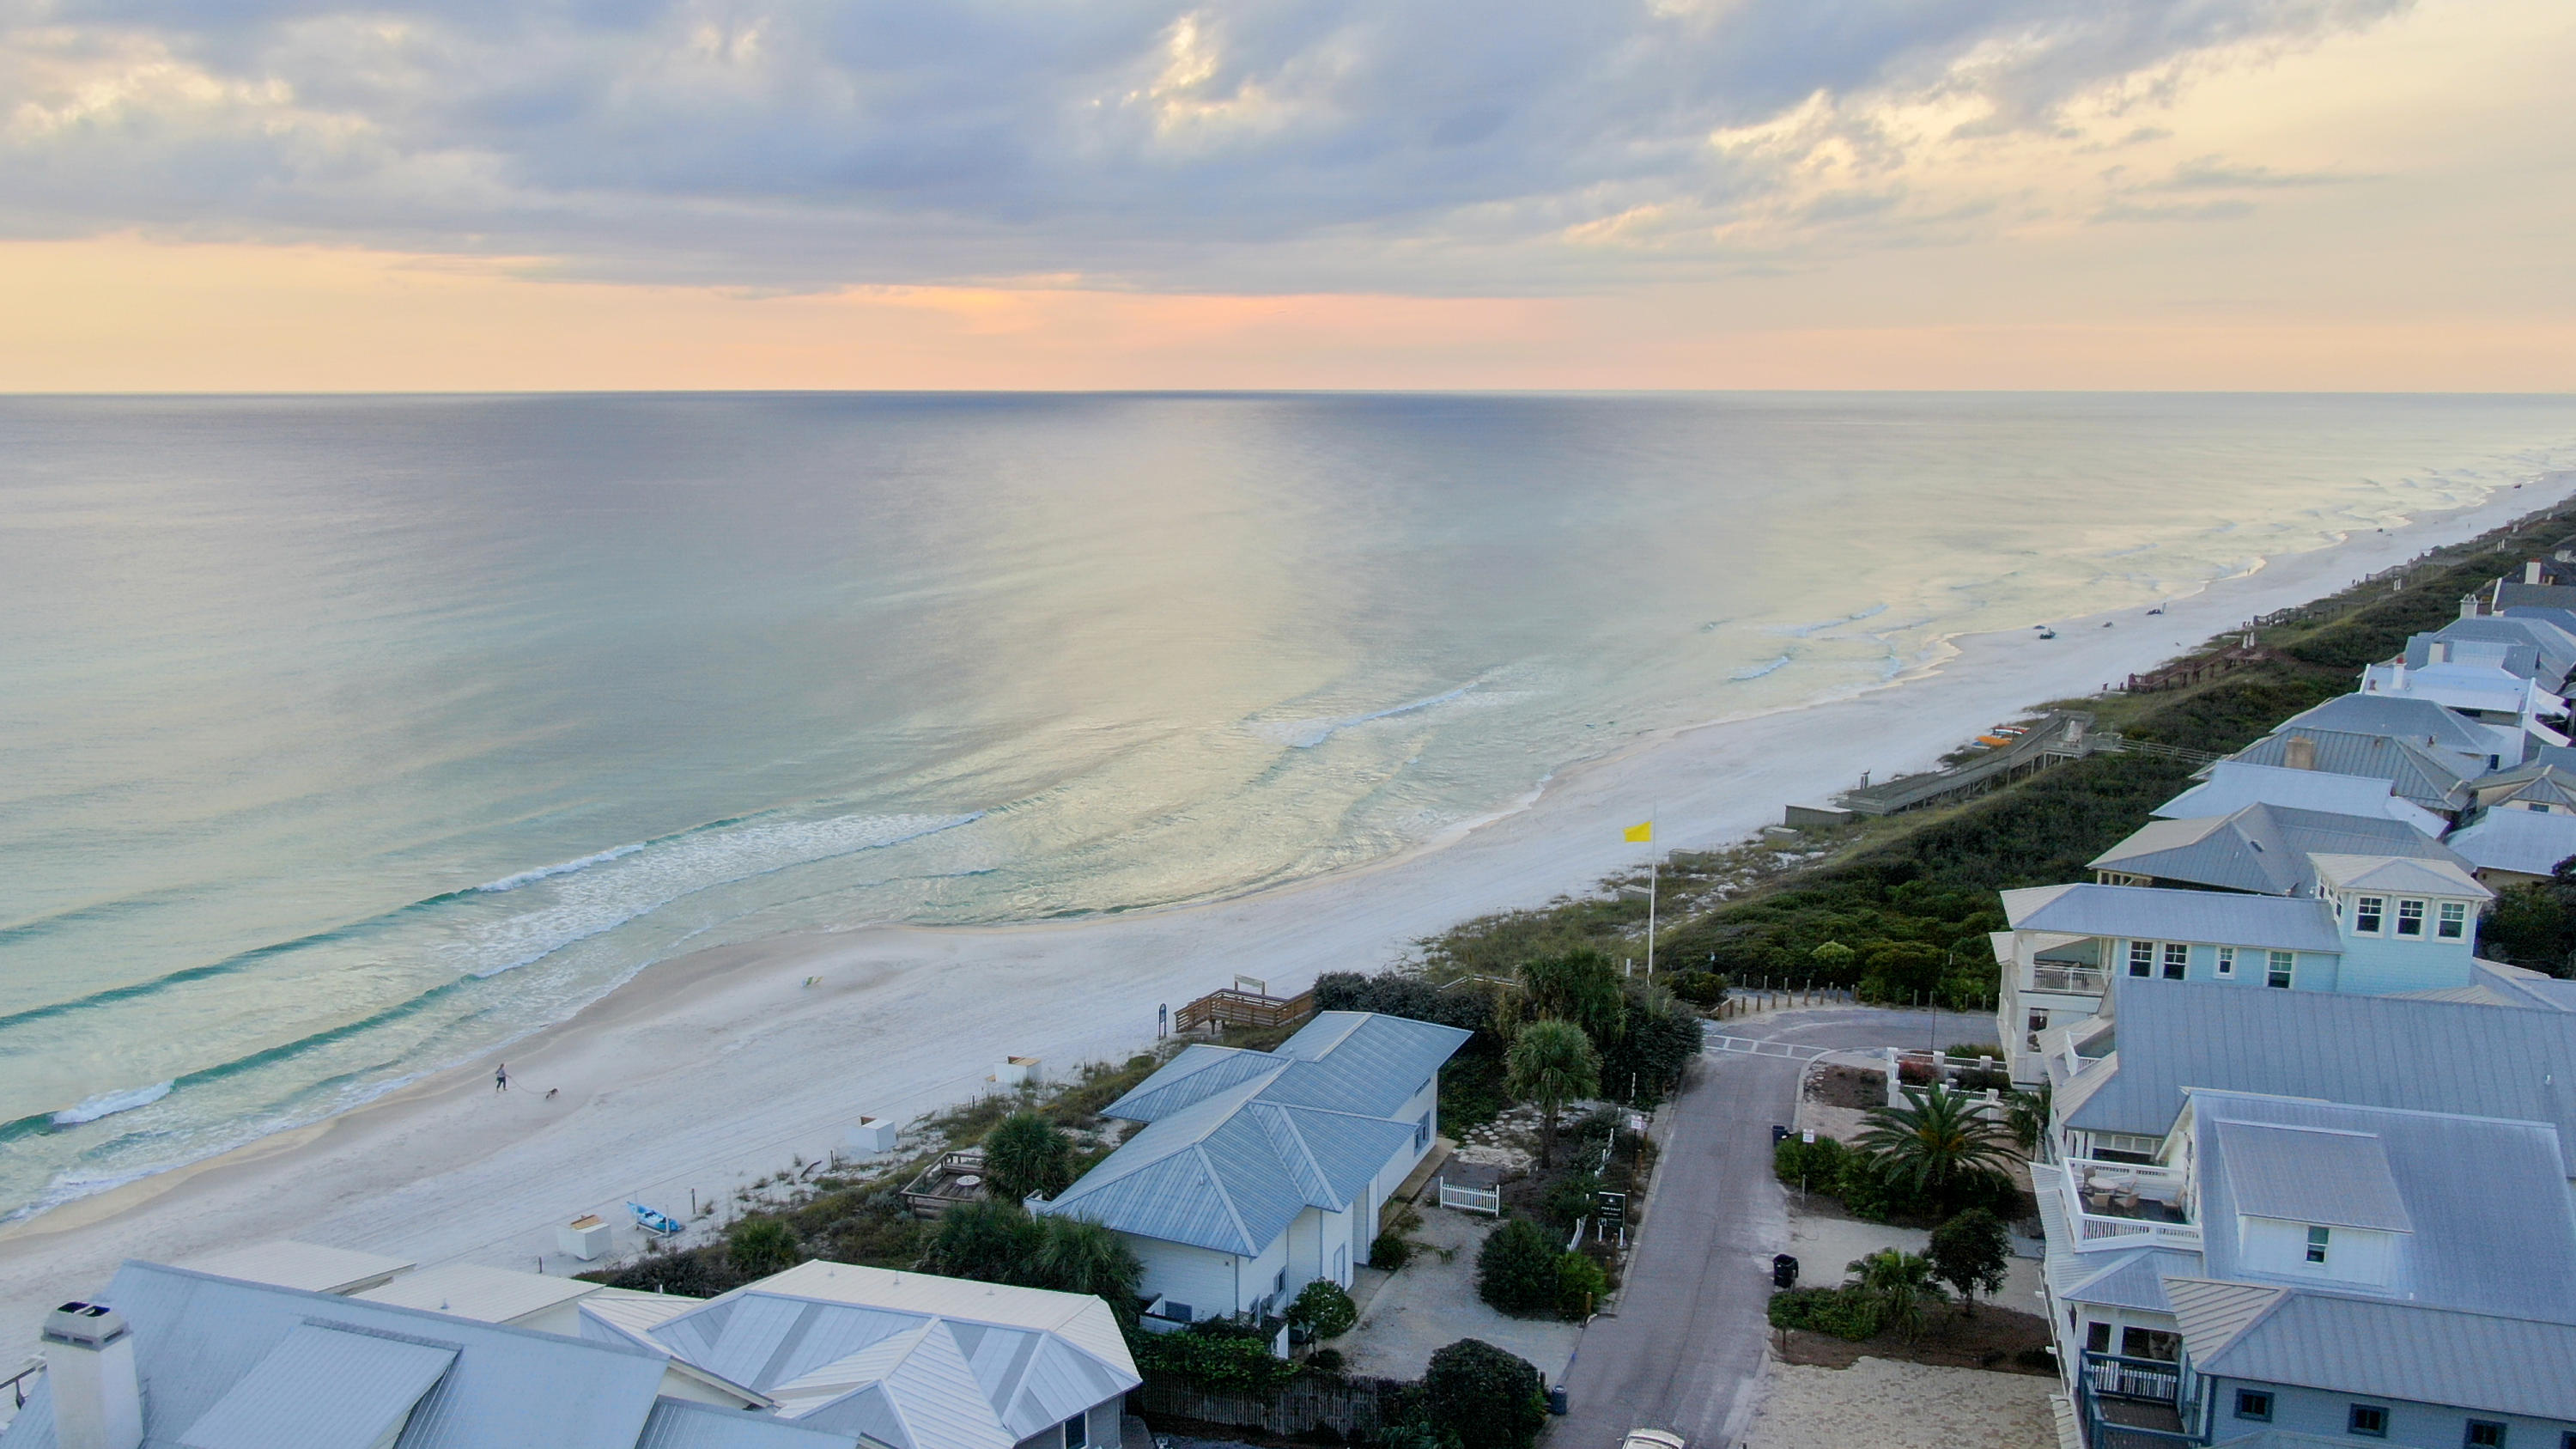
[2128, 1205]
[2065, 980]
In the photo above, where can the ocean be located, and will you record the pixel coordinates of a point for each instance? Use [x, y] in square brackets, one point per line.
[345, 739]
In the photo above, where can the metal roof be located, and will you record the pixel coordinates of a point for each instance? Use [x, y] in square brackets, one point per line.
[2385, 1051]
[2393, 873]
[2160, 914]
[2523, 841]
[1237, 1144]
[487, 1295]
[2211, 1313]
[309, 1266]
[909, 1359]
[2387, 1350]
[2262, 848]
[2433, 778]
[2134, 1280]
[198, 1336]
[2533, 643]
[2418, 721]
[2234, 784]
[322, 1387]
[2312, 1175]
[681, 1424]
[2492, 1229]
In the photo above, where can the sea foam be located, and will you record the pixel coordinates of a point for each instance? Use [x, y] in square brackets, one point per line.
[108, 1104]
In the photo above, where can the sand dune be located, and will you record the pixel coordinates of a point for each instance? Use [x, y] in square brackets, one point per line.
[718, 1066]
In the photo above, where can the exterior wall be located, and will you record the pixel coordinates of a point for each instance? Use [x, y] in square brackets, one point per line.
[2375, 965]
[2353, 1255]
[1318, 1245]
[2418, 1426]
[1196, 1276]
[678, 1385]
[1263, 1275]
[1100, 1421]
[2310, 970]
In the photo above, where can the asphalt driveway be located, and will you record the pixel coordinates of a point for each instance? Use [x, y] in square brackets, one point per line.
[1685, 1351]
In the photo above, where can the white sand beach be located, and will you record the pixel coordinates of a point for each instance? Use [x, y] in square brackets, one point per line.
[720, 1065]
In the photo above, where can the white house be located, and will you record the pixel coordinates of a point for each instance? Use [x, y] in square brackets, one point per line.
[1260, 1172]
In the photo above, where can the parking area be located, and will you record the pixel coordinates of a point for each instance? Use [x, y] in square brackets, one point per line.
[1433, 1303]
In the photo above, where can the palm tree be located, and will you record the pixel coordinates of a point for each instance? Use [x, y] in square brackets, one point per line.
[1551, 1063]
[2026, 1114]
[1582, 986]
[1901, 1283]
[1076, 1256]
[1935, 1142]
[1027, 1156]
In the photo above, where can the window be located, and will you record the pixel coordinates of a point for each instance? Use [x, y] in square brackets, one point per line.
[2367, 914]
[2142, 958]
[2177, 960]
[2484, 1434]
[2254, 1404]
[1077, 1431]
[2410, 919]
[2317, 1244]
[2368, 1420]
[2038, 1022]
[2277, 969]
[2226, 960]
[2150, 1343]
[2097, 1338]
[1280, 1283]
[2454, 922]
[1422, 1133]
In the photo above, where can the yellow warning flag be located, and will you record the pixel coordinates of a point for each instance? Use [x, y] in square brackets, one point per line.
[1642, 834]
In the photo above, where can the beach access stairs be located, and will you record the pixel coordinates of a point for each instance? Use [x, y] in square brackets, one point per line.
[2059, 736]
[1235, 1006]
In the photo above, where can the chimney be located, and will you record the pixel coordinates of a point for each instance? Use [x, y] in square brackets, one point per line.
[2531, 572]
[2468, 606]
[89, 1359]
[2299, 753]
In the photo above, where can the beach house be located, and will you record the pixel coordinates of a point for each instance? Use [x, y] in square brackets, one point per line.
[2259, 848]
[2289, 1267]
[2374, 924]
[2230, 785]
[1257, 1173]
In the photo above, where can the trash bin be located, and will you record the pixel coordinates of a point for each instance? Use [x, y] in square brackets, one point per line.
[1784, 1271]
[1778, 1132]
[1555, 1400]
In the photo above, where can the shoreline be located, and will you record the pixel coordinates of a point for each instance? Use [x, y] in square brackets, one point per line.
[713, 1067]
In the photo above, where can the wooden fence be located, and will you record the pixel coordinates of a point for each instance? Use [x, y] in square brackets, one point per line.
[1356, 1408]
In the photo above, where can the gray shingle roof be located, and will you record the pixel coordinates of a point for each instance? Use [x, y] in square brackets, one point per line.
[2441, 1056]
[2231, 785]
[2312, 1175]
[2262, 848]
[2159, 914]
[1237, 1144]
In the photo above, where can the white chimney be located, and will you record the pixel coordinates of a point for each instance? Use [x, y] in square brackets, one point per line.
[89, 1360]
[2531, 572]
[2299, 752]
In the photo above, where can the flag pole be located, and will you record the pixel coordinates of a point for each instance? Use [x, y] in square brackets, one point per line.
[1654, 872]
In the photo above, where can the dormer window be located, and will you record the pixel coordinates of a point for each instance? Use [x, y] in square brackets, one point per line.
[2177, 960]
[2453, 924]
[2227, 962]
[2142, 958]
[2317, 1239]
[2276, 971]
[2368, 914]
[2410, 919]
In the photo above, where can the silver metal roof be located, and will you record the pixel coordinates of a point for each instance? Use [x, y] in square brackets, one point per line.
[470, 1290]
[322, 1387]
[2534, 645]
[1237, 1144]
[2312, 1175]
[681, 1424]
[309, 1266]
[2433, 778]
[2391, 873]
[2160, 914]
[2419, 721]
[2384, 1051]
[2133, 1280]
[2493, 1231]
[2262, 848]
[2524, 841]
[2387, 1350]
[2234, 784]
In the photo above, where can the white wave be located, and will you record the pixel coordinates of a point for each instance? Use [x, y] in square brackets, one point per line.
[530, 877]
[1758, 670]
[1872, 612]
[1306, 734]
[591, 902]
[108, 1104]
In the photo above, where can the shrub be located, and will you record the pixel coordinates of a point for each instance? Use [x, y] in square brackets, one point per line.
[1486, 1398]
[1700, 988]
[1971, 1252]
[1323, 1310]
[1516, 1269]
[1570, 1199]
[1818, 1164]
[1390, 1253]
[1663, 1037]
[1838, 1312]
[1027, 1156]
[990, 1242]
[758, 1247]
[1393, 993]
[1326, 1360]
[1579, 1286]
[1212, 1360]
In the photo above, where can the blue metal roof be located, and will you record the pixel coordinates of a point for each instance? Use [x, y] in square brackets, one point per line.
[1237, 1144]
[2154, 913]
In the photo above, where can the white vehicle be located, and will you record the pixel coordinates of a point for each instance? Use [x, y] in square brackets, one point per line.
[1652, 1439]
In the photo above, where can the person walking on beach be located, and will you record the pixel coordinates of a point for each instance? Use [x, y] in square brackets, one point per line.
[501, 1077]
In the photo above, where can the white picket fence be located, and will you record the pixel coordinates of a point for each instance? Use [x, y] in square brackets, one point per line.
[1472, 1199]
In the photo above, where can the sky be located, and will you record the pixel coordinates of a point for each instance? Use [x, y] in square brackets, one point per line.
[301, 195]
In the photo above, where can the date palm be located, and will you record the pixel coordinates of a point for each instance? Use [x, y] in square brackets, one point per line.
[1935, 1142]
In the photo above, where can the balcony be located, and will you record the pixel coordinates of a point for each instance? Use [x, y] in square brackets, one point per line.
[2131, 1403]
[2128, 1205]
[2063, 979]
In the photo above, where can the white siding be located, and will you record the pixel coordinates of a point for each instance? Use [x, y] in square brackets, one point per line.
[1195, 1276]
[2353, 1255]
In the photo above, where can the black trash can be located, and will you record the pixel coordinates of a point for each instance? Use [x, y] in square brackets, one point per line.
[1778, 1133]
[1784, 1271]
[1556, 1400]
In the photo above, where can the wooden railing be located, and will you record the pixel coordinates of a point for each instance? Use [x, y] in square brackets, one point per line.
[1243, 1008]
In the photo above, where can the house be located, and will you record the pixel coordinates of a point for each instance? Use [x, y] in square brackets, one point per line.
[2231, 785]
[2487, 693]
[2294, 1266]
[2468, 747]
[2513, 846]
[2529, 644]
[900, 1360]
[1257, 1173]
[2119, 1080]
[2376, 924]
[2427, 776]
[184, 1359]
[2260, 848]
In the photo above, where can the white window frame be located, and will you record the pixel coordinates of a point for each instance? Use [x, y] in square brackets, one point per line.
[2374, 911]
[1077, 1430]
[2227, 961]
[2281, 969]
[2399, 926]
[2177, 961]
[2451, 922]
[2320, 1241]
[2142, 958]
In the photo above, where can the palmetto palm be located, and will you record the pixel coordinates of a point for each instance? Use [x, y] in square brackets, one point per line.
[1901, 1283]
[1938, 1138]
[1551, 1063]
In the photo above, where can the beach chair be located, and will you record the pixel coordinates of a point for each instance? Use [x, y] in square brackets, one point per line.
[659, 1224]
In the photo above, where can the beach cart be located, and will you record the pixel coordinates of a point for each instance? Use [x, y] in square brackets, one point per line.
[659, 1224]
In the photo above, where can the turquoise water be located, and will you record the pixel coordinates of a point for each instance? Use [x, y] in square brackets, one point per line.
[344, 739]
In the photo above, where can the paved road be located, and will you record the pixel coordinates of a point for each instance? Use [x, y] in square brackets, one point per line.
[1685, 1351]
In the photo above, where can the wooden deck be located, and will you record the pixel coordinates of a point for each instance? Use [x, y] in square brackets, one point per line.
[1243, 1008]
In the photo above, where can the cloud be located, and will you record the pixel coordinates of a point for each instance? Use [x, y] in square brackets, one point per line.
[2208, 173]
[1155, 144]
